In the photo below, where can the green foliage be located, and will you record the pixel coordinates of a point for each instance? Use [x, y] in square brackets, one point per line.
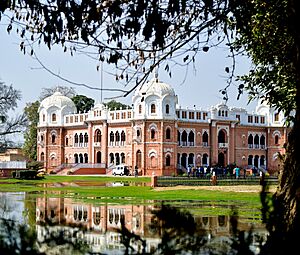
[35, 165]
[30, 135]
[25, 174]
[83, 103]
[114, 105]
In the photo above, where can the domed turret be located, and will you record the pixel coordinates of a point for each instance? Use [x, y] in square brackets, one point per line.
[155, 100]
[53, 108]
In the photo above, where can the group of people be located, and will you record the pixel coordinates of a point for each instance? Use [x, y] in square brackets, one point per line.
[233, 172]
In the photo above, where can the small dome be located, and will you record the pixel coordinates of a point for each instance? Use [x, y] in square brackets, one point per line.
[154, 86]
[58, 100]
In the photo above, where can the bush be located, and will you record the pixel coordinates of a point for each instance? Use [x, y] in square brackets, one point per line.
[25, 174]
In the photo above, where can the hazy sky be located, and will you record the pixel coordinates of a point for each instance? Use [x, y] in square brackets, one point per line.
[200, 88]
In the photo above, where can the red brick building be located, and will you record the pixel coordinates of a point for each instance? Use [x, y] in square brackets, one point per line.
[157, 135]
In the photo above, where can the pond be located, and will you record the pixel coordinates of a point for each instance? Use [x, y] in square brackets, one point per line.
[109, 225]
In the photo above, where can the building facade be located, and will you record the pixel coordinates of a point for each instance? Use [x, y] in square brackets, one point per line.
[157, 135]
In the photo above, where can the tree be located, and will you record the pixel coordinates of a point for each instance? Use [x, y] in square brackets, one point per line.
[66, 91]
[30, 135]
[137, 36]
[9, 126]
[83, 103]
[116, 105]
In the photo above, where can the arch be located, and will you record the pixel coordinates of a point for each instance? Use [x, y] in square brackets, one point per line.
[153, 108]
[80, 158]
[256, 141]
[86, 158]
[191, 138]
[123, 158]
[111, 158]
[76, 158]
[184, 138]
[152, 133]
[76, 138]
[168, 133]
[86, 138]
[81, 138]
[118, 137]
[250, 160]
[167, 109]
[184, 160]
[250, 141]
[168, 160]
[262, 160]
[221, 159]
[42, 138]
[42, 156]
[222, 136]
[123, 136]
[205, 139]
[117, 158]
[96, 217]
[276, 139]
[138, 159]
[111, 138]
[67, 141]
[256, 160]
[53, 117]
[53, 138]
[98, 157]
[205, 159]
[97, 136]
[262, 141]
[191, 159]
[178, 137]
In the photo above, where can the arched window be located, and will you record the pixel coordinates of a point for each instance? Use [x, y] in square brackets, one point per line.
[53, 138]
[123, 137]
[81, 138]
[80, 158]
[250, 160]
[178, 138]
[42, 156]
[75, 158]
[276, 139]
[222, 136]
[262, 160]
[111, 158]
[168, 133]
[168, 160]
[86, 158]
[138, 133]
[140, 109]
[86, 138]
[53, 117]
[97, 138]
[191, 138]
[152, 133]
[167, 109]
[42, 138]
[256, 141]
[67, 141]
[44, 117]
[276, 116]
[184, 138]
[205, 159]
[205, 139]
[111, 136]
[117, 137]
[76, 138]
[262, 141]
[123, 158]
[153, 108]
[250, 141]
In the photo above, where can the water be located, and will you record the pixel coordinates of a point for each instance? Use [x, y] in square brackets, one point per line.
[98, 223]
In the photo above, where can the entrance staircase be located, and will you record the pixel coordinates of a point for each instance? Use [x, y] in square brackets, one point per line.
[80, 169]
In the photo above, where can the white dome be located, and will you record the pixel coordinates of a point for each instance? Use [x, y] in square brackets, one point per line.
[154, 86]
[58, 100]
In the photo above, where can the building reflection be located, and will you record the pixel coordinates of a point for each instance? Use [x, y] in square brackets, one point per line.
[98, 224]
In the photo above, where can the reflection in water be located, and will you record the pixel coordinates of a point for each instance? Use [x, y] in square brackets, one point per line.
[99, 225]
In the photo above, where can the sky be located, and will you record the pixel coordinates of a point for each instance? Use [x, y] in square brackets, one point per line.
[200, 87]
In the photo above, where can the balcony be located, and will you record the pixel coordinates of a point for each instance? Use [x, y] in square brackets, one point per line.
[223, 145]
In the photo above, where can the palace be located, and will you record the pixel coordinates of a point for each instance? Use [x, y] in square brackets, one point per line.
[157, 135]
